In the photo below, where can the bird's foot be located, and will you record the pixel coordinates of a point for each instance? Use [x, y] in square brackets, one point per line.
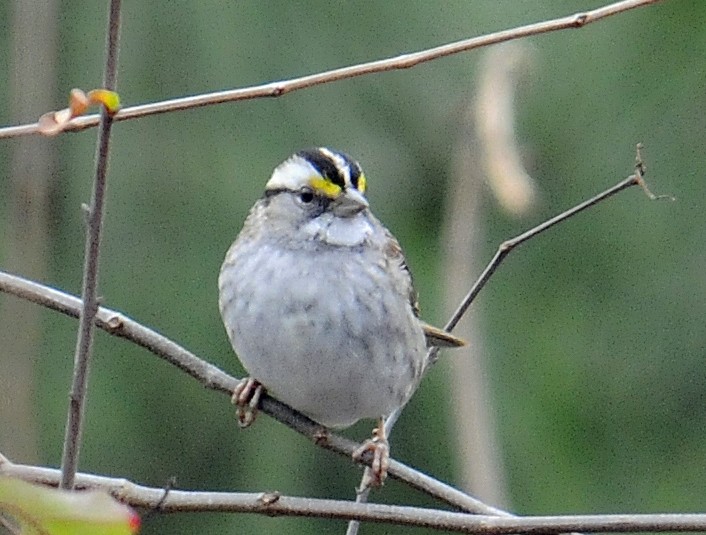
[246, 397]
[379, 448]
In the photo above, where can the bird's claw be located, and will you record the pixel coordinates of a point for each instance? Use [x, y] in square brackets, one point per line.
[246, 397]
[379, 448]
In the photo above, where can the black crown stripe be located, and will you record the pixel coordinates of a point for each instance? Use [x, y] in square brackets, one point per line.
[355, 171]
[325, 166]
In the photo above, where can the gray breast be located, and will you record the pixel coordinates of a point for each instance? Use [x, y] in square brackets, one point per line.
[328, 334]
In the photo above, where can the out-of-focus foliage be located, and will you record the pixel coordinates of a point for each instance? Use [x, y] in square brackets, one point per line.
[40, 510]
[595, 332]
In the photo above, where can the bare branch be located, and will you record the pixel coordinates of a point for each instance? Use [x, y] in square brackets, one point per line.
[404, 61]
[210, 376]
[273, 504]
[508, 245]
[84, 342]
[213, 378]
[504, 249]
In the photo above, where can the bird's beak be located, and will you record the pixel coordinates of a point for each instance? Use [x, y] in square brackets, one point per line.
[349, 203]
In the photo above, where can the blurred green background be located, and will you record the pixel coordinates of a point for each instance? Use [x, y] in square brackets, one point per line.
[593, 336]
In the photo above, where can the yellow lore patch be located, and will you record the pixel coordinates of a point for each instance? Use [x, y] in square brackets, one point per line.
[325, 187]
[362, 183]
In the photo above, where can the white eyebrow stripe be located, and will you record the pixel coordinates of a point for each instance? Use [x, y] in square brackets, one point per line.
[291, 174]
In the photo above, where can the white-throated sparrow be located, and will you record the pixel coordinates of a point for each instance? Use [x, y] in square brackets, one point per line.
[318, 302]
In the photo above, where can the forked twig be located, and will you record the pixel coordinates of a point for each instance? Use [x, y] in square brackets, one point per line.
[507, 246]
[90, 313]
[504, 249]
[211, 377]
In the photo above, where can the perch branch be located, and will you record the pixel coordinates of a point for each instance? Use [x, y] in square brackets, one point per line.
[213, 378]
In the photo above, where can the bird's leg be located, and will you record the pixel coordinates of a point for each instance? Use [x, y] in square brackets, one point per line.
[246, 397]
[380, 450]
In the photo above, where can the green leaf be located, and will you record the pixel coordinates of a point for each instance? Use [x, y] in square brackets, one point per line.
[41, 510]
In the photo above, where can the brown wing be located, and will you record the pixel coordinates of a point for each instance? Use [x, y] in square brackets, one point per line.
[435, 336]
[393, 252]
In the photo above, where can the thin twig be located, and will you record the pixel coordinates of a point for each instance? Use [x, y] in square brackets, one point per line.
[507, 246]
[213, 378]
[504, 249]
[84, 342]
[274, 504]
[404, 61]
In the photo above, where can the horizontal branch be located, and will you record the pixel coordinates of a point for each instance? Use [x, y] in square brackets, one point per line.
[273, 504]
[404, 61]
[213, 378]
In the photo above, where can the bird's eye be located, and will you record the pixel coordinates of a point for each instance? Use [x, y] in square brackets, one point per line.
[306, 196]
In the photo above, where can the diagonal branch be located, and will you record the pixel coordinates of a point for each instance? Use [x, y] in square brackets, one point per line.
[213, 378]
[504, 249]
[404, 61]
